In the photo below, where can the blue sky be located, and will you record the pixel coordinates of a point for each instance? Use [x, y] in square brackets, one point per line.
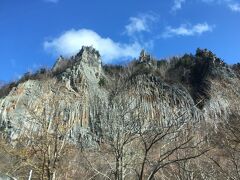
[33, 33]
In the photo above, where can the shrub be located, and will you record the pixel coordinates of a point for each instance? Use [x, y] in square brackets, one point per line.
[102, 82]
[5, 90]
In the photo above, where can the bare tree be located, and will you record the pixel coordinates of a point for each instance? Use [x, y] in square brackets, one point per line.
[166, 145]
[227, 148]
[43, 145]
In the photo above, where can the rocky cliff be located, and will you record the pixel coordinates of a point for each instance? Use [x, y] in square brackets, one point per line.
[88, 95]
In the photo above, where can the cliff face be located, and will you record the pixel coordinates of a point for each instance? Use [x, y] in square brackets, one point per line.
[90, 98]
[69, 96]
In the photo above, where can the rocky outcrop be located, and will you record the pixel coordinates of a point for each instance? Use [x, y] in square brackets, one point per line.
[75, 96]
[144, 57]
[71, 94]
[59, 63]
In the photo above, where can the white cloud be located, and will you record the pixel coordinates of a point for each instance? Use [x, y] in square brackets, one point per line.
[234, 7]
[139, 24]
[177, 4]
[187, 30]
[70, 42]
[52, 1]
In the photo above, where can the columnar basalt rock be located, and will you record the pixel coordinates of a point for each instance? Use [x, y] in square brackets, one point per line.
[60, 61]
[144, 57]
[72, 96]
[76, 97]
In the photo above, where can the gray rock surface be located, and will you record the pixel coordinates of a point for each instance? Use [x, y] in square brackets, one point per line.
[76, 97]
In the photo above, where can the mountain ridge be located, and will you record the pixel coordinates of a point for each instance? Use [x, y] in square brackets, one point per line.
[97, 106]
[189, 76]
